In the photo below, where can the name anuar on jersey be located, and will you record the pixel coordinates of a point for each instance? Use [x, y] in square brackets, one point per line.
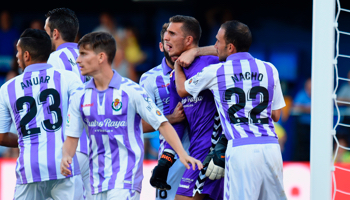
[247, 76]
[35, 81]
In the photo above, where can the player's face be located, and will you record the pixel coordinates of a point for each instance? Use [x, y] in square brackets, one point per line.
[48, 31]
[221, 46]
[88, 61]
[19, 56]
[174, 39]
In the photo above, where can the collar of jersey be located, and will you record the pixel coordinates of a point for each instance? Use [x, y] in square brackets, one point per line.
[115, 82]
[240, 56]
[166, 68]
[68, 44]
[37, 67]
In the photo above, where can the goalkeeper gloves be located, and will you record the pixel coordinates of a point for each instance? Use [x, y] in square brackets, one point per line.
[160, 172]
[216, 166]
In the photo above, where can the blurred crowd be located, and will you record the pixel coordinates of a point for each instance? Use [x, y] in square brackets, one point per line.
[132, 59]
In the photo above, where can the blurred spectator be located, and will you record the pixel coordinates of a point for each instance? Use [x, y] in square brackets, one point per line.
[281, 134]
[133, 53]
[37, 24]
[109, 25]
[8, 39]
[344, 95]
[302, 108]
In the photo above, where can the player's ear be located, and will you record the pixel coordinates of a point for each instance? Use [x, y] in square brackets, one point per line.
[55, 34]
[161, 47]
[231, 48]
[26, 56]
[189, 40]
[102, 57]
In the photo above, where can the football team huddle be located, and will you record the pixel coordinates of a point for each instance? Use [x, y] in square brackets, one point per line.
[80, 124]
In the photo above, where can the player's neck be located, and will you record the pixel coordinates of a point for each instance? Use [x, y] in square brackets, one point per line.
[103, 79]
[59, 42]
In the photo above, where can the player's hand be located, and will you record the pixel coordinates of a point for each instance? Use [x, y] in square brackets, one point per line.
[178, 115]
[187, 57]
[188, 159]
[160, 172]
[65, 166]
[215, 171]
[216, 167]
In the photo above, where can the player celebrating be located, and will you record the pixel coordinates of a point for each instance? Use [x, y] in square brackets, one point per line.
[183, 34]
[249, 98]
[36, 101]
[62, 26]
[111, 108]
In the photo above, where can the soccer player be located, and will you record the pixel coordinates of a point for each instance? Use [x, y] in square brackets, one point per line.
[156, 82]
[249, 98]
[183, 34]
[111, 108]
[62, 26]
[37, 102]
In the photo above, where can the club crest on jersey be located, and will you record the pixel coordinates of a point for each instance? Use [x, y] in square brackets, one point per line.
[116, 104]
[158, 113]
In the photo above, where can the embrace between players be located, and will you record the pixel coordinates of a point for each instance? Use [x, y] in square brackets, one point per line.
[82, 139]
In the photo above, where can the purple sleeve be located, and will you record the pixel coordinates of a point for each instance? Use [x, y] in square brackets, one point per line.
[174, 99]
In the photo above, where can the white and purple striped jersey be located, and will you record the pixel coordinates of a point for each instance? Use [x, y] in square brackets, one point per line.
[64, 58]
[37, 102]
[156, 82]
[246, 90]
[113, 120]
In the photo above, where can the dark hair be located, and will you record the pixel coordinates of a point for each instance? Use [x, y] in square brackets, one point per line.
[190, 26]
[65, 21]
[238, 34]
[37, 43]
[164, 27]
[100, 42]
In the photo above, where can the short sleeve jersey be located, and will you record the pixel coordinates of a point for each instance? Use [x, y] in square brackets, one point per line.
[246, 90]
[113, 120]
[199, 110]
[65, 58]
[37, 103]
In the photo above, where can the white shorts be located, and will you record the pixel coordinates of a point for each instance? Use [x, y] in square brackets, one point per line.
[254, 172]
[66, 188]
[117, 194]
[175, 174]
[83, 160]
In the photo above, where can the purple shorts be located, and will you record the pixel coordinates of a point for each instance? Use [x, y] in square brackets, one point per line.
[194, 181]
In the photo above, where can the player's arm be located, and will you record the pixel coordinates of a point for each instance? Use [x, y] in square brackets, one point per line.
[175, 117]
[276, 114]
[278, 99]
[180, 79]
[74, 129]
[187, 57]
[172, 138]
[7, 138]
[68, 152]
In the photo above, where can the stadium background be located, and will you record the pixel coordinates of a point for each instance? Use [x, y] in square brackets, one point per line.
[281, 35]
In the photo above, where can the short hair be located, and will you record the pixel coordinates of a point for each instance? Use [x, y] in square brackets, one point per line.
[100, 42]
[37, 43]
[65, 21]
[238, 34]
[190, 26]
[164, 28]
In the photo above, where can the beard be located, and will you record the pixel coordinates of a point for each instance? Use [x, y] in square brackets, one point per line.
[167, 57]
